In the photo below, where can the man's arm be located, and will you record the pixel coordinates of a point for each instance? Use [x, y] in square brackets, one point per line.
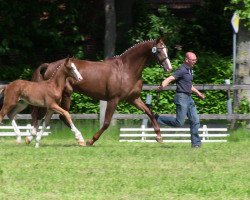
[199, 94]
[166, 82]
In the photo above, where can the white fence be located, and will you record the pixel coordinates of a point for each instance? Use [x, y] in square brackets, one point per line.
[207, 134]
[25, 130]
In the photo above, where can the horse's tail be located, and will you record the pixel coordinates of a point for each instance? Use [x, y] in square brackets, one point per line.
[39, 74]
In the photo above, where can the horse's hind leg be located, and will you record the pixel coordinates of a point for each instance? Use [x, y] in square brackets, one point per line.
[138, 103]
[111, 106]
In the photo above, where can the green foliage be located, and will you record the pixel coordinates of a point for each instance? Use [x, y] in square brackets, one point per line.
[210, 29]
[242, 7]
[155, 25]
[83, 104]
[212, 68]
[39, 31]
[12, 73]
[198, 33]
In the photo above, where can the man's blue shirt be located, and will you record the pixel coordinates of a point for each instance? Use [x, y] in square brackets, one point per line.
[184, 78]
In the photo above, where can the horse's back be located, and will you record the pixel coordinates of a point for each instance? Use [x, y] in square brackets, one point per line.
[101, 80]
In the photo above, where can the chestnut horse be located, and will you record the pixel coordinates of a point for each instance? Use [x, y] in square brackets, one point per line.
[20, 93]
[113, 80]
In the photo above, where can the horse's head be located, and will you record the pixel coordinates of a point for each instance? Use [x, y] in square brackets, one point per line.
[71, 68]
[161, 51]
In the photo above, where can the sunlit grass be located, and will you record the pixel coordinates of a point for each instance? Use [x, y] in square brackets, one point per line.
[60, 169]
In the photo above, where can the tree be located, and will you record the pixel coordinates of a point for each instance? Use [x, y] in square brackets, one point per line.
[242, 7]
[109, 42]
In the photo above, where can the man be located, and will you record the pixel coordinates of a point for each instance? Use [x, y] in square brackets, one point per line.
[185, 105]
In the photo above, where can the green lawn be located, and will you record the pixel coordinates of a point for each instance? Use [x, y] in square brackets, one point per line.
[60, 169]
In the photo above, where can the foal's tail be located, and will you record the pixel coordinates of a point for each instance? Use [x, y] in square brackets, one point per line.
[2, 88]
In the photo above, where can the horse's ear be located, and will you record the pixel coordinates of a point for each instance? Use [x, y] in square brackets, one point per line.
[67, 60]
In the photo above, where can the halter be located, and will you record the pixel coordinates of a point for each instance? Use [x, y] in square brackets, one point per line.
[155, 52]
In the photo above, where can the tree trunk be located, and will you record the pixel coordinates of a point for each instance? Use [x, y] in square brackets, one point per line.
[242, 71]
[109, 43]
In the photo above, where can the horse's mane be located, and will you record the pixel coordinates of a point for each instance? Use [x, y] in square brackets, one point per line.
[134, 46]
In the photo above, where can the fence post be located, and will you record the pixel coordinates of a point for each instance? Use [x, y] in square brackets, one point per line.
[205, 132]
[229, 101]
[103, 106]
[143, 138]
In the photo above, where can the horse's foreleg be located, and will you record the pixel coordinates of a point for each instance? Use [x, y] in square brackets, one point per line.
[111, 106]
[67, 116]
[138, 103]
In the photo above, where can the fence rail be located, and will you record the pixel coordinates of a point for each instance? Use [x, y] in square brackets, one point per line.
[143, 134]
[204, 87]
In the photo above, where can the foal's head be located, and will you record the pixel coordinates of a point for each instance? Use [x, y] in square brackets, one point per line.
[161, 51]
[72, 70]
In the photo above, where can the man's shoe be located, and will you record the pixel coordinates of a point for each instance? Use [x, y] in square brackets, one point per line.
[196, 146]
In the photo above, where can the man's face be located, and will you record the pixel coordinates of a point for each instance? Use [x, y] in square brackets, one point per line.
[191, 60]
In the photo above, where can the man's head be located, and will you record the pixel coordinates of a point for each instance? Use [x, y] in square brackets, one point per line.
[190, 59]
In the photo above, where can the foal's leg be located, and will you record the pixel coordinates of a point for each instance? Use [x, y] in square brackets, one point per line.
[138, 103]
[67, 116]
[9, 103]
[19, 107]
[111, 106]
[37, 114]
[11, 107]
[45, 124]
[65, 103]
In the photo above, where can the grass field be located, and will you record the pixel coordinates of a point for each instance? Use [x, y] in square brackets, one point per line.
[60, 169]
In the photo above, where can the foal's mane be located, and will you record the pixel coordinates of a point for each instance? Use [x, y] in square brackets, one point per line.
[54, 72]
[134, 46]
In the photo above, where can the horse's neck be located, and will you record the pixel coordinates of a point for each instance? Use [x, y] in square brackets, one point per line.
[137, 57]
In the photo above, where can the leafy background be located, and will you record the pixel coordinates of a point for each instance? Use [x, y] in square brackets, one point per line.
[44, 31]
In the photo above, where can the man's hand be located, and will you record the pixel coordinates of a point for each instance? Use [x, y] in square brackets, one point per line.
[201, 96]
[159, 88]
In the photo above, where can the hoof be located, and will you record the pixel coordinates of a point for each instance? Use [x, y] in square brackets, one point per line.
[159, 140]
[18, 142]
[27, 140]
[89, 143]
[82, 143]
